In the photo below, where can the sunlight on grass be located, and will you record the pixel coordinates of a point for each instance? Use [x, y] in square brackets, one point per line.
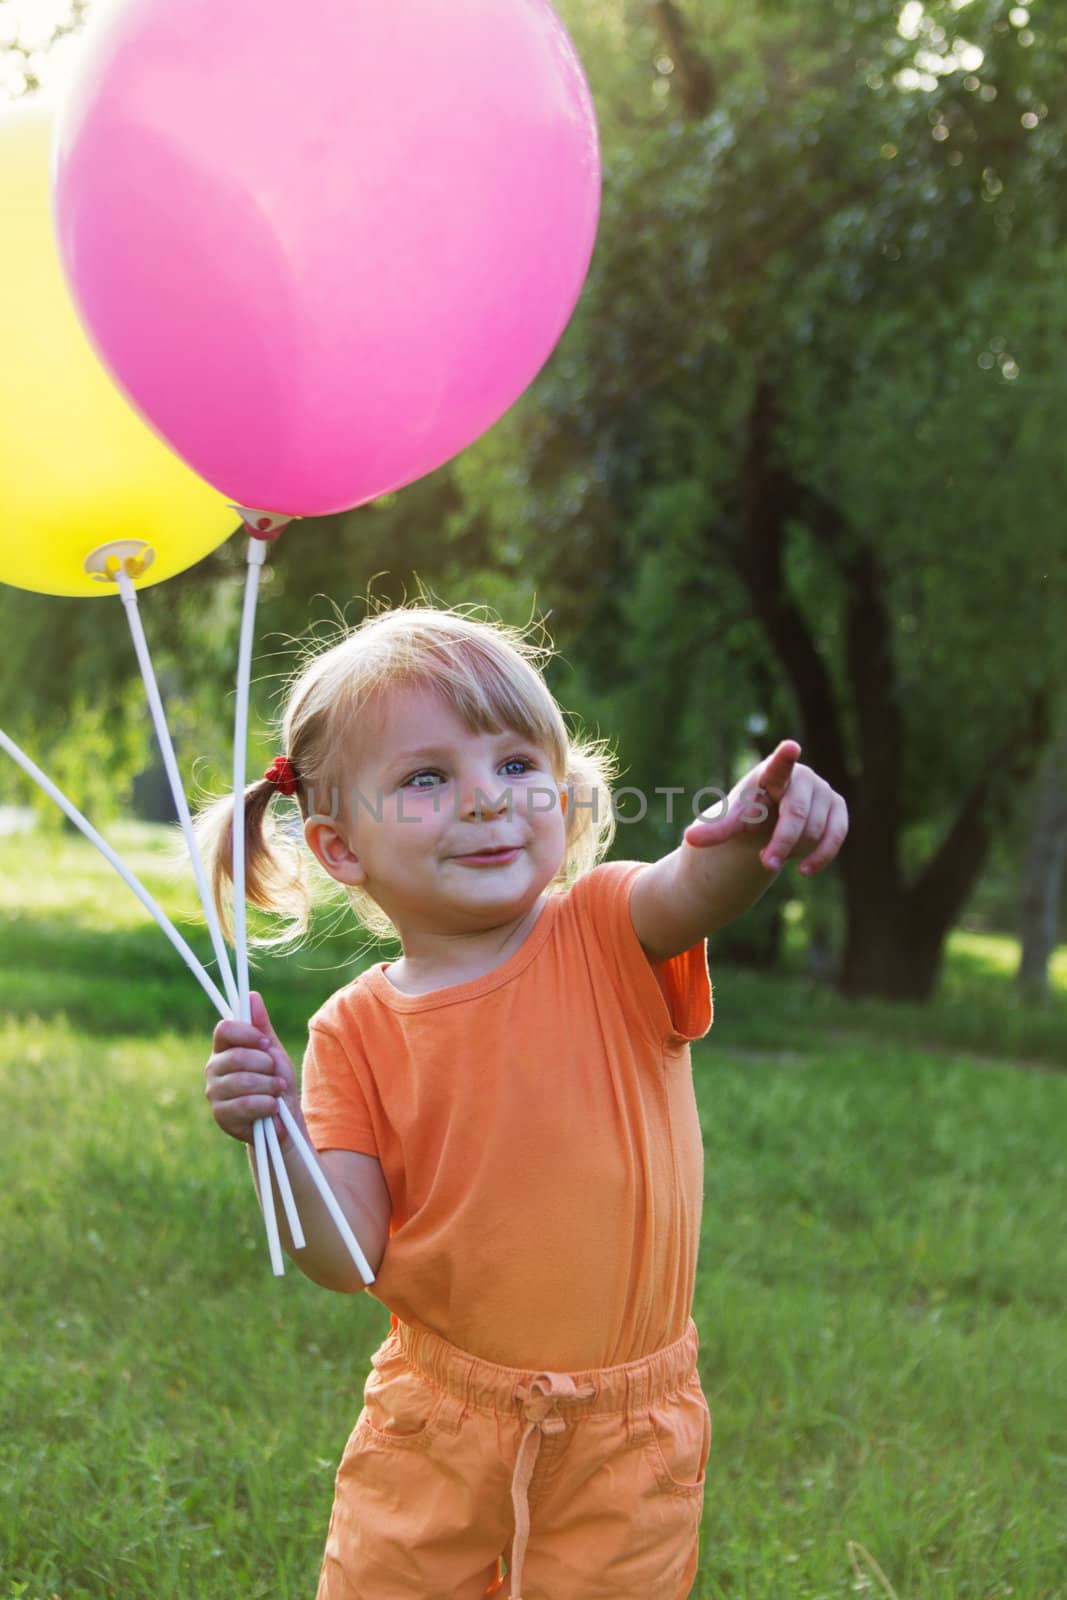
[46, 872]
[998, 954]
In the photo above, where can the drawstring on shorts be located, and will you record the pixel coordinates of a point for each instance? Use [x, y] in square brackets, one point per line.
[540, 1403]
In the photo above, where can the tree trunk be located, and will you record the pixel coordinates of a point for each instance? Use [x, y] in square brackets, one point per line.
[896, 930]
[693, 73]
[1043, 873]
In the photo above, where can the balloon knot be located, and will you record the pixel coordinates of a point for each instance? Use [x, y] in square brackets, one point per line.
[265, 525]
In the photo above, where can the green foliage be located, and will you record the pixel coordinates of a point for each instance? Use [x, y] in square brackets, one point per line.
[868, 217]
[92, 753]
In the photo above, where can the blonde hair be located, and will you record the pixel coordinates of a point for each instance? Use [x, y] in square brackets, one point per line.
[489, 671]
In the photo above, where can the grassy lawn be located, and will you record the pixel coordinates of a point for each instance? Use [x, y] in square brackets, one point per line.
[881, 1297]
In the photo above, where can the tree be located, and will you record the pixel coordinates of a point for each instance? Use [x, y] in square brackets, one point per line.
[1043, 869]
[829, 288]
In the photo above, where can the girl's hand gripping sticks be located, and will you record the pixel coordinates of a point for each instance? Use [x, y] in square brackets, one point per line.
[248, 1077]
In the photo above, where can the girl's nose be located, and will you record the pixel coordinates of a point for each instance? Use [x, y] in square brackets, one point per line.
[484, 796]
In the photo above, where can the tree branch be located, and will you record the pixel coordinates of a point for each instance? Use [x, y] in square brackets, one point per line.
[872, 675]
[936, 897]
[695, 77]
[757, 556]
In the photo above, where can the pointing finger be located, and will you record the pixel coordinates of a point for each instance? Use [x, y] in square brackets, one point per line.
[778, 769]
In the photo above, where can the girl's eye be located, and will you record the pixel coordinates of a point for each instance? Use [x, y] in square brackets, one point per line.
[518, 761]
[413, 781]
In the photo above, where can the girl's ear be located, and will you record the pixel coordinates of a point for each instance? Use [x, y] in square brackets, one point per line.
[330, 848]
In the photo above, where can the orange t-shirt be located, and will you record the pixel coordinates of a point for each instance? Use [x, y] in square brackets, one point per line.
[538, 1131]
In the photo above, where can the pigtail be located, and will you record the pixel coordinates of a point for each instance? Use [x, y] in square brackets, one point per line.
[275, 880]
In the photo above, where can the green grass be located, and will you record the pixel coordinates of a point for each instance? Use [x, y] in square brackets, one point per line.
[881, 1295]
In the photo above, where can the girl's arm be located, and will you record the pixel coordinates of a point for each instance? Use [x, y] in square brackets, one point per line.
[358, 1183]
[723, 866]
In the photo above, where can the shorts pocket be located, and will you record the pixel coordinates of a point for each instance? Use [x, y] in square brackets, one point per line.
[679, 1442]
[400, 1407]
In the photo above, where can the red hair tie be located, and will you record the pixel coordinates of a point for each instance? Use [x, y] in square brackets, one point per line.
[283, 774]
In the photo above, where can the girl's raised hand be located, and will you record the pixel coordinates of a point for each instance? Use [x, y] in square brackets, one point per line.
[247, 1073]
[800, 812]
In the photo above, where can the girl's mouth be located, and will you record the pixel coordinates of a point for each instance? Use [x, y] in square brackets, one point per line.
[490, 858]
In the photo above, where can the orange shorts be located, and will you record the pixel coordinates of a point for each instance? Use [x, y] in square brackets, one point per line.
[590, 1485]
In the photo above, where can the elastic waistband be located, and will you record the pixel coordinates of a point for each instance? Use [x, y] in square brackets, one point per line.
[487, 1387]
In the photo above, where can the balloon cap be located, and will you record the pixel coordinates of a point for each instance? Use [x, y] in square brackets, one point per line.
[261, 524]
[131, 556]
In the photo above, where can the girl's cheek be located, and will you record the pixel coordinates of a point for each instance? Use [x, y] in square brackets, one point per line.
[414, 806]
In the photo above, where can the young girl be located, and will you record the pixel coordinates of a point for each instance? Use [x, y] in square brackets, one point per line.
[506, 1113]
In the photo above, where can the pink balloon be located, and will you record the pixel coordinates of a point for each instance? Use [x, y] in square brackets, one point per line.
[324, 247]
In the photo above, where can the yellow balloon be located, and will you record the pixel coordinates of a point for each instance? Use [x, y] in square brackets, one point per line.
[79, 469]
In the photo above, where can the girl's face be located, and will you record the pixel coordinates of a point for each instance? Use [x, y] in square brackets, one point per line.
[447, 829]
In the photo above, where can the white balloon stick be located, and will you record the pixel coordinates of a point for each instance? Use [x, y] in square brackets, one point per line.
[285, 1188]
[166, 748]
[150, 905]
[257, 554]
[266, 1198]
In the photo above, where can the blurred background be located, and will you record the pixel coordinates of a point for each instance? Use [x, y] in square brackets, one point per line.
[796, 469]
